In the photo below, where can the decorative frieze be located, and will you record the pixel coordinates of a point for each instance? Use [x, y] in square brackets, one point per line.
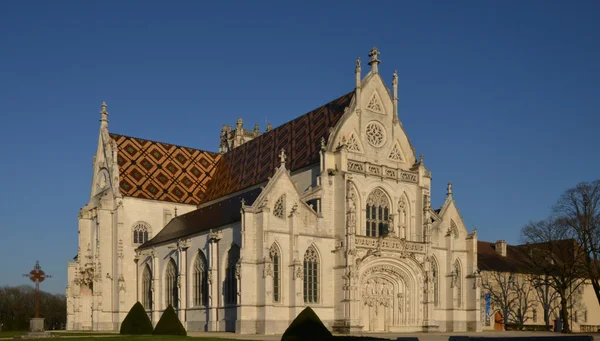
[382, 171]
[389, 243]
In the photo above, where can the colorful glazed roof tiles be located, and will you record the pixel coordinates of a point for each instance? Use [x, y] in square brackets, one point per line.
[162, 171]
[254, 161]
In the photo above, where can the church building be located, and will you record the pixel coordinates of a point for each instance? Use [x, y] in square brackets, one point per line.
[331, 210]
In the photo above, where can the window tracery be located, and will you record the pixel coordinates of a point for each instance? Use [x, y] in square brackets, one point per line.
[171, 288]
[378, 209]
[375, 104]
[274, 255]
[352, 144]
[200, 280]
[147, 288]
[233, 256]
[395, 153]
[375, 134]
[403, 217]
[279, 208]
[311, 276]
[141, 231]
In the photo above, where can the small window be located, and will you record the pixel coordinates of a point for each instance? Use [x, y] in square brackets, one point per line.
[141, 231]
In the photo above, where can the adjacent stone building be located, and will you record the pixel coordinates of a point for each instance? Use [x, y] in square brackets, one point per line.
[331, 210]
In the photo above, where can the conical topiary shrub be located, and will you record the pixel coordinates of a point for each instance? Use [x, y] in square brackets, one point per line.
[169, 324]
[137, 321]
[306, 326]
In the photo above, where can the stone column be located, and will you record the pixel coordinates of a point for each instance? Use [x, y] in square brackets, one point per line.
[213, 280]
[155, 289]
[183, 292]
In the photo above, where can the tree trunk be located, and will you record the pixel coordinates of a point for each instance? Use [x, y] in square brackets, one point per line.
[596, 287]
[564, 315]
[505, 318]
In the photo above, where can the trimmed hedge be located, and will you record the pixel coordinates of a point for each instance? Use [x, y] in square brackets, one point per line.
[306, 326]
[136, 322]
[169, 324]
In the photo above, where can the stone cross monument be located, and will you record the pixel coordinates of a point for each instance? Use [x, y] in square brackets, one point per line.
[37, 275]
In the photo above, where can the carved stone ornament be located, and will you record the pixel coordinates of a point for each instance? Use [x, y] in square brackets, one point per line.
[375, 134]
[209, 277]
[298, 272]
[238, 269]
[268, 270]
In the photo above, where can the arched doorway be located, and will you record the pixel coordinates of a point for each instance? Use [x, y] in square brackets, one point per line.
[498, 321]
[379, 300]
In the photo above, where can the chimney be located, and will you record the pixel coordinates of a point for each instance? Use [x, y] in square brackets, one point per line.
[500, 247]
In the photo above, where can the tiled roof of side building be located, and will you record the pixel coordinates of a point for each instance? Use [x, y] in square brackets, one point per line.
[254, 161]
[163, 171]
[488, 259]
[212, 216]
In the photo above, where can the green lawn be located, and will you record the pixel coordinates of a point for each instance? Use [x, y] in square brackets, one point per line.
[91, 336]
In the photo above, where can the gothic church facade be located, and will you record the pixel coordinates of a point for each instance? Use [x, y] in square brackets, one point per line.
[330, 210]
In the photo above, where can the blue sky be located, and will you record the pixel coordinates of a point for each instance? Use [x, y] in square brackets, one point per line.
[502, 97]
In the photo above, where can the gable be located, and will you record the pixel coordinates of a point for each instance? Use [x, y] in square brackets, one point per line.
[162, 171]
[253, 162]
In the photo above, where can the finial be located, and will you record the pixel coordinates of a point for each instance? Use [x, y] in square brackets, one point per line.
[323, 147]
[374, 61]
[243, 201]
[449, 189]
[395, 96]
[282, 156]
[421, 158]
[256, 132]
[240, 122]
[357, 65]
[103, 114]
[269, 127]
[395, 78]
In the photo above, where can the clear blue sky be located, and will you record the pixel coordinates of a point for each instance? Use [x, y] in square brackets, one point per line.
[502, 97]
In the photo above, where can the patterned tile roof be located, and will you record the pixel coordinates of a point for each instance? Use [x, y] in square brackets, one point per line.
[162, 171]
[254, 161]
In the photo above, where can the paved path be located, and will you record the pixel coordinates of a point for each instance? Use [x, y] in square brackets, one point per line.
[393, 336]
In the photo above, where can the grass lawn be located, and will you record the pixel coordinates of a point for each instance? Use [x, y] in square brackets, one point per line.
[91, 336]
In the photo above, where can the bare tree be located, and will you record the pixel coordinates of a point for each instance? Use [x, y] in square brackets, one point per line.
[579, 209]
[553, 253]
[499, 285]
[525, 297]
[546, 295]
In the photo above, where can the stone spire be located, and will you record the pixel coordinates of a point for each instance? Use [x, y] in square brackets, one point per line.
[449, 190]
[395, 98]
[358, 73]
[269, 127]
[256, 131]
[374, 61]
[103, 116]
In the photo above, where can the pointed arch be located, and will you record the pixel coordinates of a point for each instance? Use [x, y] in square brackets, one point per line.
[457, 281]
[147, 287]
[275, 256]
[454, 229]
[141, 232]
[171, 287]
[200, 276]
[230, 284]
[378, 209]
[311, 275]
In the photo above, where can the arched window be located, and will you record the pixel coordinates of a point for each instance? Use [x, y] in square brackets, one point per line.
[458, 283]
[171, 290]
[141, 231]
[311, 276]
[275, 256]
[147, 288]
[378, 209]
[435, 278]
[200, 280]
[233, 256]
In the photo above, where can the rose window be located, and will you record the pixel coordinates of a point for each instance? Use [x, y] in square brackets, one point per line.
[375, 134]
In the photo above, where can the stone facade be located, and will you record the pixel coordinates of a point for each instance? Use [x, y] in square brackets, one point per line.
[353, 236]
